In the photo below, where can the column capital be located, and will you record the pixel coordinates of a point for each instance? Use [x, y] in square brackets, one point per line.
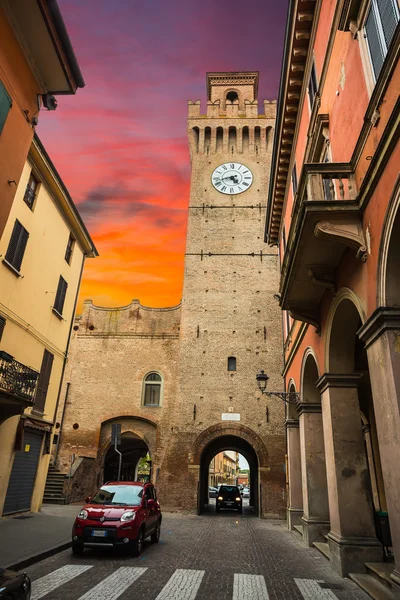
[291, 423]
[338, 380]
[383, 318]
[309, 407]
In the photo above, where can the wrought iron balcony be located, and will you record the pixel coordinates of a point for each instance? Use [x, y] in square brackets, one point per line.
[17, 379]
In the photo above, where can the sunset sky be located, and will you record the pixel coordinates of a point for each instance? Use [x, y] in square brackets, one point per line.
[120, 144]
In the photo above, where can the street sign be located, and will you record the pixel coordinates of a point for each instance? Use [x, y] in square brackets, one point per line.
[116, 434]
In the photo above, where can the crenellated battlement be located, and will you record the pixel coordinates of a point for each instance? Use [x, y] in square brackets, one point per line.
[231, 110]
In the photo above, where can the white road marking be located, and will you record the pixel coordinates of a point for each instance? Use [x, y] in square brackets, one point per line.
[310, 590]
[52, 581]
[113, 586]
[183, 585]
[252, 587]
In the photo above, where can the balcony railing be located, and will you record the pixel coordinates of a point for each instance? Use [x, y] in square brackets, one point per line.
[327, 181]
[17, 379]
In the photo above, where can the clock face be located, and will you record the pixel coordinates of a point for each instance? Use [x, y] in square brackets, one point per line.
[232, 178]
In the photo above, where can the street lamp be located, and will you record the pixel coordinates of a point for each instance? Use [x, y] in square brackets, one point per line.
[289, 397]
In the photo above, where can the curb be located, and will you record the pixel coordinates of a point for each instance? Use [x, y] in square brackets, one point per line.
[34, 558]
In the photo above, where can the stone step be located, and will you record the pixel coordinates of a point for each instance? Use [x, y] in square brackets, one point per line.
[299, 529]
[381, 571]
[55, 476]
[55, 483]
[323, 547]
[51, 500]
[374, 589]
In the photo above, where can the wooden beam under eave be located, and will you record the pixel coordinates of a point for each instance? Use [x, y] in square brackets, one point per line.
[297, 67]
[305, 16]
[295, 82]
[302, 35]
[300, 51]
[293, 95]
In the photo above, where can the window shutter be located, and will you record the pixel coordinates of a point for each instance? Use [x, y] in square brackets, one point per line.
[389, 16]
[43, 381]
[374, 42]
[60, 296]
[16, 247]
[2, 325]
[5, 105]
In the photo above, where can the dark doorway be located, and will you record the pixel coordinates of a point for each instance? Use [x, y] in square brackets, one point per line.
[237, 444]
[132, 449]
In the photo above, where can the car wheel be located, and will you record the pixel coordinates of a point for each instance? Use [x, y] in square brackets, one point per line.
[137, 545]
[77, 548]
[155, 537]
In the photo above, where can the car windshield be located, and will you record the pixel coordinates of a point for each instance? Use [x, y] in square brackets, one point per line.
[121, 495]
[230, 489]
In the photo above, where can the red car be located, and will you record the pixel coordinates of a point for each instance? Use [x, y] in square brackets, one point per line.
[121, 513]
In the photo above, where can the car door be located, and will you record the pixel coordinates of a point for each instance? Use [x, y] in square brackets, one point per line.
[152, 513]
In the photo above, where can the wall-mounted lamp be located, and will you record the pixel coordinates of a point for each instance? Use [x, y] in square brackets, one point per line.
[289, 397]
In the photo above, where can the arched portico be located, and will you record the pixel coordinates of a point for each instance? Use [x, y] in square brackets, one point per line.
[315, 518]
[381, 335]
[345, 394]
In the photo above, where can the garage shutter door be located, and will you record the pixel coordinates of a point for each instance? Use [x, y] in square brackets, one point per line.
[23, 474]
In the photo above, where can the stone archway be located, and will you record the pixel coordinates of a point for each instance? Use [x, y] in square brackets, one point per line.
[132, 449]
[244, 440]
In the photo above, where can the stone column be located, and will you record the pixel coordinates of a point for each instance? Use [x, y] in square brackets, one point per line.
[295, 493]
[352, 538]
[315, 518]
[381, 335]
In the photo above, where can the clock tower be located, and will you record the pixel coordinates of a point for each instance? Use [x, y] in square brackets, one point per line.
[230, 321]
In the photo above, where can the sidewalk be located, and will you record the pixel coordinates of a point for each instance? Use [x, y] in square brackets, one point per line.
[28, 538]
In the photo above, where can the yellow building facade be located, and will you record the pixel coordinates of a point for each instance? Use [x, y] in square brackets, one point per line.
[42, 252]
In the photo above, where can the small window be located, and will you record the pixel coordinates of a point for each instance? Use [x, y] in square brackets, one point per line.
[16, 247]
[312, 85]
[2, 325]
[294, 180]
[43, 381]
[60, 296]
[31, 191]
[5, 105]
[152, 390]
[380, 25]
[69, 249]
[231, 363]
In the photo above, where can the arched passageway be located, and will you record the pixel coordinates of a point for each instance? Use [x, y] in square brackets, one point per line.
[220, 444]
[133, 449]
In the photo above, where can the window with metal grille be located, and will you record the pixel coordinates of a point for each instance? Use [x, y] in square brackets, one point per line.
[5, 105]
[30, 192]
[43, 381]
[60, 296]
[294, 179]
[16, 247]
[313, 85]
[380, 26]
[231, 363]
[69, 249]
[2, 325]
[152, 390]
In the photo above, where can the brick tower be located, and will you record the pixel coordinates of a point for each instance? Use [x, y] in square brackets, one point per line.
[230, 322]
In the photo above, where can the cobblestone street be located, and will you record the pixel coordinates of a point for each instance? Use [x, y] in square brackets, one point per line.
[228, 557]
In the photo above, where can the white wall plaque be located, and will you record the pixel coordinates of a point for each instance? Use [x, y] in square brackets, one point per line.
[230, 416]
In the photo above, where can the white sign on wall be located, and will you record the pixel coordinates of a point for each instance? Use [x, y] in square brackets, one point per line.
[230, 416]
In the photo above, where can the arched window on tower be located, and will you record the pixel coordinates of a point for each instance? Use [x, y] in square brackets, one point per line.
[257, 138]
[220, 138]
[232, 139]
[152, 390]
[196, 135]
[231, 363]
[207, 140]
[245, 137]
[232, 96]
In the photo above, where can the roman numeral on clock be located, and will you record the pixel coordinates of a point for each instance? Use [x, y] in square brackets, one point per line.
[231, 190]
[223, 188]
[232, 166]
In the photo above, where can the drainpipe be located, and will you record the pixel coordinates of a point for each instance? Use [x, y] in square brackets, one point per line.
[65, 362]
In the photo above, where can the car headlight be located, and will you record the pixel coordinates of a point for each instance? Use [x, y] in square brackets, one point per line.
[220, 498]
[83, 514]
[237, 499]
[129, 515]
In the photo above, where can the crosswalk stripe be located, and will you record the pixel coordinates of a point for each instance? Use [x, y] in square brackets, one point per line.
[249, 586]
[113, 586]
[183, 585]
[311, 590]
[52, 581]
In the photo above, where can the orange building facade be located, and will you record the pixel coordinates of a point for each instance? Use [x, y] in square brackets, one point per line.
[334, 212]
